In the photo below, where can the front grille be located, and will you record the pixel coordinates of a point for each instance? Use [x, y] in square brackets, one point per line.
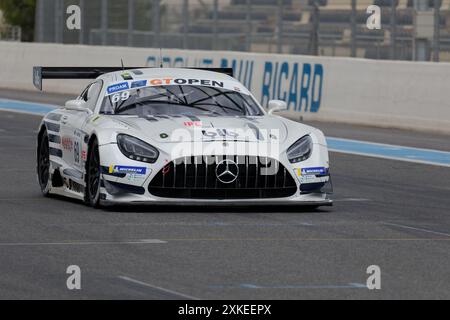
[195, 178]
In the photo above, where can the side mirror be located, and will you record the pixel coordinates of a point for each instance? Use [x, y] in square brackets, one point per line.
[78, 105]
[276, 106]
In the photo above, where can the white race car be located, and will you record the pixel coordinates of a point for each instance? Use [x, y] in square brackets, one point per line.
[176, 136]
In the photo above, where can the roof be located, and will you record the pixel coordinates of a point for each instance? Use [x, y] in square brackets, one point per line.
[171, 75]
[145, 73]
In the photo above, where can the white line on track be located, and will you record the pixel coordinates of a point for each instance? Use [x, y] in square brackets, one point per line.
[352, 199]
[388, 157]
[80, 243]
[205, 224]
[417, 229]
[351, 285]
[147, 285]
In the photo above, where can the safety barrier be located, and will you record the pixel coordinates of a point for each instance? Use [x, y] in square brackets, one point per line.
[408, 95]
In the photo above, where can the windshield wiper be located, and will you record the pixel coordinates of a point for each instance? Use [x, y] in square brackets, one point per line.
[134, 105]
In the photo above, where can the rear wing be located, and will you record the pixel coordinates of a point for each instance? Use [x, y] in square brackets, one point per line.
[40, 73]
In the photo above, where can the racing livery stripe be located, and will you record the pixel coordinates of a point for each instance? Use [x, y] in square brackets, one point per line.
[151, 118]
[52, 126]
[54, 138]
[55, 152]
[256, 130]
[192, 117]
[53, 116]
[73, 173]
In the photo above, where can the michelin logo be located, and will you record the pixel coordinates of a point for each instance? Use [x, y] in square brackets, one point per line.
[118, 87]
[314, 171]
[126, 169]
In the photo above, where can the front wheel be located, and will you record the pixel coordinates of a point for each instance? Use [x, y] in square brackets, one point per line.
[93, 173]
[43, 164]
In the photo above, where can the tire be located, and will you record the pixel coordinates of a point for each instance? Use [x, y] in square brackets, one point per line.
[93, 176]
[43, 164]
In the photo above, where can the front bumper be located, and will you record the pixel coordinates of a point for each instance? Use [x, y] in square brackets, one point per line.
[312, 199]
[136, 189]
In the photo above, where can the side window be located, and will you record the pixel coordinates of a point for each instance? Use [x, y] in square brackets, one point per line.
[83, 95]
[91, 93]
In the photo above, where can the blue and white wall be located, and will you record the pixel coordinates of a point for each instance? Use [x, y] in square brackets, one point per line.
[410, 95]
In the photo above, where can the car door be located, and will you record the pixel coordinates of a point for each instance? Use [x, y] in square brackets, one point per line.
[72, 124]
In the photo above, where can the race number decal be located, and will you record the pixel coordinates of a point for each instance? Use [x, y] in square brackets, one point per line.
[120, 96]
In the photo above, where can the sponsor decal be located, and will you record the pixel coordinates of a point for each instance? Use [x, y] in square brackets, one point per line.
[193, 124]
[314, 171]
[83, 155]
[118, 87]
[310, 177]
[126, 76]
[159, 82]
[182, 81]
[217, 133]
[138, 84]
[127, 169]
[67, 143]
[229, 85]
[299, 84]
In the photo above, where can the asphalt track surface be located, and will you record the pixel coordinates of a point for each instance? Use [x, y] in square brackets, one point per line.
[388, 213]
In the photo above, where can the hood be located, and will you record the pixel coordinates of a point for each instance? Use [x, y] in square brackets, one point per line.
[207, 128]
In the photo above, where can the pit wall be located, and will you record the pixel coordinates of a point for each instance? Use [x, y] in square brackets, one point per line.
[406, 95]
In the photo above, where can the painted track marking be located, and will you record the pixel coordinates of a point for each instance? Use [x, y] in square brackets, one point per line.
[389, 151]
[352, 285]
[81, 243]
[340, 145]
[417, 229]
[147, 285]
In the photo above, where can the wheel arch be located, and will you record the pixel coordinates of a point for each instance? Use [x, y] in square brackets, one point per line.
[41, 131]
[93, 137]
[91, 140]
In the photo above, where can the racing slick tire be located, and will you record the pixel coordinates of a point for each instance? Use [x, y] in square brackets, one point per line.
[93, 176]
[43, 164]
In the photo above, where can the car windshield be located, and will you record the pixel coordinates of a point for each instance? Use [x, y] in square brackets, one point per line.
[175, 100]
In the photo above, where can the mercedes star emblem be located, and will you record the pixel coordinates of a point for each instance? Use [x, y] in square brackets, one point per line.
[227, 171]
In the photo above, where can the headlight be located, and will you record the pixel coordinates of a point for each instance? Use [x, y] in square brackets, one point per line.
[136, 149]
[300, 150]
